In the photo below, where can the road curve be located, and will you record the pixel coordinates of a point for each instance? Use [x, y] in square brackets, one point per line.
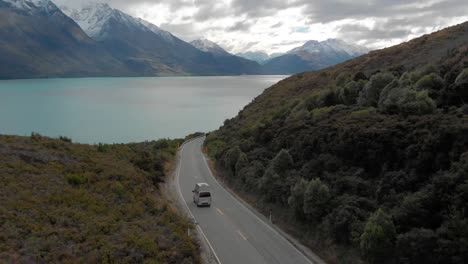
[235, 234]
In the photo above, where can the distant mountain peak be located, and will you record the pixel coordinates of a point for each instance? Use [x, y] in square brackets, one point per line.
[206, 45]
[94, 17]
[328, 46]
[46, 6]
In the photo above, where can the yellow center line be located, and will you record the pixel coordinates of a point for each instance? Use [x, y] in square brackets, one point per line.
[219, 211]
[240, 233]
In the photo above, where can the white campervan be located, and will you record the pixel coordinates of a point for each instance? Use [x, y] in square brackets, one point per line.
[201, 194]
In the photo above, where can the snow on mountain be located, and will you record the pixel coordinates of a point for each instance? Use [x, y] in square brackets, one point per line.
[330, 46]
[46, 6]
[162, 33]
[209, 46]
[95, 17]
[258, 56]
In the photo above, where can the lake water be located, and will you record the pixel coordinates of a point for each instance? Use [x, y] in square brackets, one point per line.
[121, 110]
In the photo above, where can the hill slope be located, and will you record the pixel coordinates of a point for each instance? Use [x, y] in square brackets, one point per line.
[376, 143]
[74, 203]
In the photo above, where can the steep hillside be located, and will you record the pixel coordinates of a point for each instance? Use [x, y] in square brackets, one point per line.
[73, 203]
[366, 161]
[38, 40]
[313, 55]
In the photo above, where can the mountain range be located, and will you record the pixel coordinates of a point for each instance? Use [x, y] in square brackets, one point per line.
[39, 40]
[313, 55]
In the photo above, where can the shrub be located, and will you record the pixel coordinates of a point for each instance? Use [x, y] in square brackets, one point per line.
[316, 199]
[417, 246]
[76, 179]
[415, 211]
[349, 93]
[320, 113]
[363, 113]
[342, 78]
[369, 96]
[378, 238]
[65, 139]
[230, 159]
[430, 82]
[102, 147]
[296, 199]
[408, 102]
[462, 78]
[344, 223]
[241, 163]
[323, 98]
[282, 162]
[390, 87]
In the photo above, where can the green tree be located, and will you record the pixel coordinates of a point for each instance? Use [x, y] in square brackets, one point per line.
[316, 198]
[270, 185]
[230, 159]
[430, 82]
[282, 162]
[296, 199]
[242, 162]
[407, 101]
[417, 246]
[342, 78]
[378, 238]
[369, 96]
[349, 92]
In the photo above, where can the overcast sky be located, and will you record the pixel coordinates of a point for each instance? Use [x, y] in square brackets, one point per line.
[279, 25]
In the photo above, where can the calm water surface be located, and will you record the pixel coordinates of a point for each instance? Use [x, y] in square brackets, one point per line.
[121, 110]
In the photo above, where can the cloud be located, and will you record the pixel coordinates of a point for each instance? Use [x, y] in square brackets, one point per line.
[278, 25]
[240, 26]
[185, 31]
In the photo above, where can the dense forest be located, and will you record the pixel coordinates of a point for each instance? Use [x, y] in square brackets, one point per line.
[72, 203]
[366, 161]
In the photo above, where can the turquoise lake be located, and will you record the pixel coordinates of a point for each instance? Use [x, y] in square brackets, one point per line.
[122, 110]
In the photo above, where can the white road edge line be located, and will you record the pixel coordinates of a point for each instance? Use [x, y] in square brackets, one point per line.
[219, 211]
[188, 209]
[242, 235]
[258, 218]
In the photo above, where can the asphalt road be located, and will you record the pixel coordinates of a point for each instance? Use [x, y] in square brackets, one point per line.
[235, 233]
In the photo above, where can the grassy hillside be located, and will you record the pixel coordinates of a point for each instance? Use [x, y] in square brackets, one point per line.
[71, 203]
[366, 161]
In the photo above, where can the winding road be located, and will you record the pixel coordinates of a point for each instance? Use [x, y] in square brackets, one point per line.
[235, 234]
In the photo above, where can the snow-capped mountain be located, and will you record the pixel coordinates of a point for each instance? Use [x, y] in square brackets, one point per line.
[314, 55]
[148, 48]
[96, 18]
[31, 7]
[209, 46]
[153, 28]
[330, 46]
[38, 40]
[258, 56]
